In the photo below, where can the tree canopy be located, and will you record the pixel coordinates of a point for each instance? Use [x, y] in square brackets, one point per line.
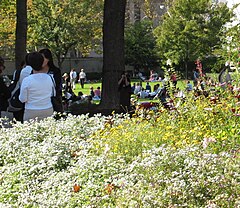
[192, 29]
[140, 45]
[65, 25]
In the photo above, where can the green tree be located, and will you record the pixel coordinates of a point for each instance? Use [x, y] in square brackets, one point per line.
[140, 45]
[65, 25]
[192, 29]
[7, 27]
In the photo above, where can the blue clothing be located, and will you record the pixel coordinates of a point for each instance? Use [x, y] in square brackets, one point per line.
[195, 75]
[189, 87]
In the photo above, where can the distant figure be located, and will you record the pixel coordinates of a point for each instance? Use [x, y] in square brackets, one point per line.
[153, 76]
[143, 94]
[199, 67]
[140, 75]
[195, 77]
[97, 92]
[82, 78]
[138, 88]
[4, 91]
[173, 78]
[36, 90]
[133, 88]
[124, 87]
[73, 77]
[66, 84]
[189, 86]
[91, 92]
[148, 87]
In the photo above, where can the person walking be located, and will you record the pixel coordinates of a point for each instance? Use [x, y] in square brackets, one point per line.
[73, 77]
[82, 78]
[36, 90]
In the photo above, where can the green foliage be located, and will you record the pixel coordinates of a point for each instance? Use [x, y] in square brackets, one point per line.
[140, 45]
[231, 46]
[7, 27]
[192, 29]
[65, 25]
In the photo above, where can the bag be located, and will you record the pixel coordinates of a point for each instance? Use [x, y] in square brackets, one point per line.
[14, 103]
[56, 101]
[57, 104]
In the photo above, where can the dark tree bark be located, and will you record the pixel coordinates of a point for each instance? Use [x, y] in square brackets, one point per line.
[21, 32]
[113, 52]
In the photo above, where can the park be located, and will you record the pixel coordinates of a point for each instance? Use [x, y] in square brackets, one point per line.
[183, 152]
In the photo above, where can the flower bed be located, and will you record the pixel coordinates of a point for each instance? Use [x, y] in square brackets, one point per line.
[187, 157]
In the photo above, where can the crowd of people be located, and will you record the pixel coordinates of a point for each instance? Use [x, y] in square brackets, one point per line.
[39, 80]
[33, 86]
[36, 84]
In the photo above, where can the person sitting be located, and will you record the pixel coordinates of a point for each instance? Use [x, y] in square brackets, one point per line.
[148, 87]
[153, 76]
[133, 88]
[173, 78]
[143, 94]
[156, 90]
[189, 86]
[79, 96]
[137, 88]
[97, 94]
[140, 75]
[91, 92]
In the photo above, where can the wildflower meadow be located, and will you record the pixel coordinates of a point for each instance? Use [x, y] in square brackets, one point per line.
[187, 156]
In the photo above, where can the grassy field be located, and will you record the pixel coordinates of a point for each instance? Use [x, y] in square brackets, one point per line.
[86, 90]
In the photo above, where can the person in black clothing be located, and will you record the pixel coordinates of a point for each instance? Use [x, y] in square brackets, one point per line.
[67, 84]
[50, 68]
[4, 91]
[124, 87]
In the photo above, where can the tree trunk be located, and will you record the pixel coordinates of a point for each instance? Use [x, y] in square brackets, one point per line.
[113, 52]
[21, 33]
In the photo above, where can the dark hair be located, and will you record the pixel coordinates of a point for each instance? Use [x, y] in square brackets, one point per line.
[1, 61]
[48, 55]
[26, 59]
[35, 60]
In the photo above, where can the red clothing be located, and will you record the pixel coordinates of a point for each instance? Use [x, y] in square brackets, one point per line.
[173, 77]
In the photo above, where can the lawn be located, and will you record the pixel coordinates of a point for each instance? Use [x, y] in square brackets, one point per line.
[86, 90]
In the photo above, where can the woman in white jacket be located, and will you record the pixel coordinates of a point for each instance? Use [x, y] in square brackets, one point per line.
[36, 90]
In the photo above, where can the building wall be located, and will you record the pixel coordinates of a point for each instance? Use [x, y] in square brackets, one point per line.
[88, 64]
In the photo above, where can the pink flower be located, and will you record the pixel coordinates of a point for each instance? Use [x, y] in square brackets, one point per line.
[207, 141]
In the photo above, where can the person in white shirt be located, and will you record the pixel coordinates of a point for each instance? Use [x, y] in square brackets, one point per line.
[73, 77]
[36, 90]
[143, 93]
[138, 88]
[26, 70]
[82, 78]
